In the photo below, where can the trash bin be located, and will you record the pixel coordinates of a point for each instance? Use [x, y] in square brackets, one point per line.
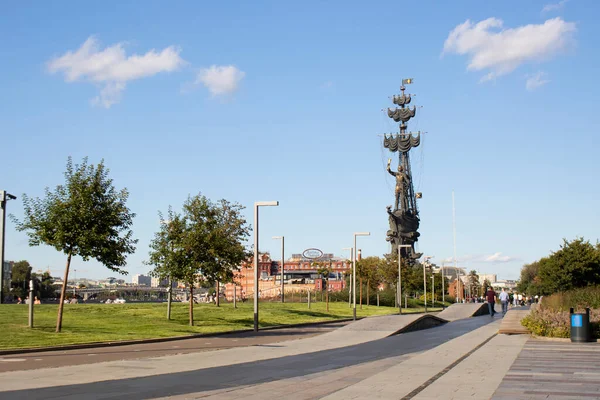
[580, 327]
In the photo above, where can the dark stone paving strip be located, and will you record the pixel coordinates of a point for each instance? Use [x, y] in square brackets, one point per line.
[565, 394]
[550, 371]
[552, 380]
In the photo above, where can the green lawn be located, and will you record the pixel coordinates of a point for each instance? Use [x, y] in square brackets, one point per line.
[88, 323]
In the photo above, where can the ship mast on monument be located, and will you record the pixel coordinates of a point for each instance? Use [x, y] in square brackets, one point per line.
[404, 216]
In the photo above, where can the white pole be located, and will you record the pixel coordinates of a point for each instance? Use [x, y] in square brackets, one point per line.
[425, 283]
[399, 291]
[458, 296]
[443, 288]
[256, 205]
[432, 289]
[255, 267]
[350, 286]
[354, 273]
[282, 265]
[354, 280]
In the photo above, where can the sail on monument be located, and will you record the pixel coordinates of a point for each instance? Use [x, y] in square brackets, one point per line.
[403, 217]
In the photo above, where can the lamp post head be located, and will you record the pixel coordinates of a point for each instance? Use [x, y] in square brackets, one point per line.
[362, 233]
[277, 237]
[266, 203]
[4, 195]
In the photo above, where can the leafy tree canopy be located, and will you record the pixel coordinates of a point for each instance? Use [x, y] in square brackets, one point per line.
[576, 264]
[85, 217]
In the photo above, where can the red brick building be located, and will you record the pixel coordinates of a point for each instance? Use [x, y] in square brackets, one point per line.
[299, 275]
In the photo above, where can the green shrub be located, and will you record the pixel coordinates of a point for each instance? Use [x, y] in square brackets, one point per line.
[552, 317]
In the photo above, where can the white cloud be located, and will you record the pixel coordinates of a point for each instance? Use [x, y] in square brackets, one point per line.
[220, 80]
[500, 51]
[480, 258]
[554, 6]
[498, 258]
[111, 68]
[536, 80]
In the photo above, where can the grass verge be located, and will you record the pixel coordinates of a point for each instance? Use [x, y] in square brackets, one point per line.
[90, 323]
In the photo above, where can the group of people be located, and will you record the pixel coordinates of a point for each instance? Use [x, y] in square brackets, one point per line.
[26, 301]
[516, 299]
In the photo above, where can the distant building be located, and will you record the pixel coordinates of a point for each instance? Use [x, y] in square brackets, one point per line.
[299, 275]
[450, 272]
[490, 277]
[141, 280]
[157, 282]
[505, 283]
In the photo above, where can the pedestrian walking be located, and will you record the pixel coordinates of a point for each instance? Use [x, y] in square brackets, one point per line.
[504, 301]
[491, 299]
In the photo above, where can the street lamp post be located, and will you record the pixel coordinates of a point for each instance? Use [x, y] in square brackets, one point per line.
[4, 197]
[169, 281]
[354, 273]
[256, 206]
[399, 290]
[425, 262]
[282, 262]
[443, 288]
[432, 290]
[350, 291]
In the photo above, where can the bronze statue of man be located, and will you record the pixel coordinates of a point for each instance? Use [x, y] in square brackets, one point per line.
[401, 185]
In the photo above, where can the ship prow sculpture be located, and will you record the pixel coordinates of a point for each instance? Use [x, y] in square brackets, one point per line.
[404, 216]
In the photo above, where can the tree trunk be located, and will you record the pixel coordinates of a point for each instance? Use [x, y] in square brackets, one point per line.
[367, 293]
[191, 304]
[360, 291]
[327, 294]
[63, 293]
[217, 293]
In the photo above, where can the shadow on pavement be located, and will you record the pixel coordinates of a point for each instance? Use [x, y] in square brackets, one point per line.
[252, 373]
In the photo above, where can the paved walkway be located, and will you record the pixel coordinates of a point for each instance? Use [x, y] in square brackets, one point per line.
[464, 359]
[61, 358]
[553, 370]
[302, 369]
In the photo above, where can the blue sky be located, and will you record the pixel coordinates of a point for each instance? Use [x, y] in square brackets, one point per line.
[283, 101]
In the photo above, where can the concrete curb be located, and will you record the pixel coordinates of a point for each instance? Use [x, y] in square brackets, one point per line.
[556, 339]
[159, 340]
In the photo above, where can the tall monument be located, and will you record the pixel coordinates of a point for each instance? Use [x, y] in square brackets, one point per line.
[404, 216]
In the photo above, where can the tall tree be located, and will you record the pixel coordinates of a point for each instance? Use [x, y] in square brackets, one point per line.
[529, 277]
[576, 264]
[474, 285]
[85, 217]
[20, 276]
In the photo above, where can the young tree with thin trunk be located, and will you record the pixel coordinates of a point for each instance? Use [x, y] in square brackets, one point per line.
[85, 217]
[365, 269]
[163, 250]
[207, 244]
[324, 269]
